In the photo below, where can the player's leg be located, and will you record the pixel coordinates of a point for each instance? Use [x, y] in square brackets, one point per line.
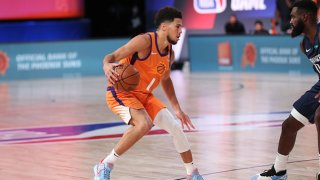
[137, 117]
[165, 120]
[302, 114]
[290, 127]
[141, 125]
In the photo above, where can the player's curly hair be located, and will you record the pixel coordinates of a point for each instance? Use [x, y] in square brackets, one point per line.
[307, 6]
[166, 14]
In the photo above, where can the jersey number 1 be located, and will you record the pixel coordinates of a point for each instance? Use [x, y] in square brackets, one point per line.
[150, 84]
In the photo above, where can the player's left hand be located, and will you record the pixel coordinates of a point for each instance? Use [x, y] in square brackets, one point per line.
[317, 96]
[185, 120]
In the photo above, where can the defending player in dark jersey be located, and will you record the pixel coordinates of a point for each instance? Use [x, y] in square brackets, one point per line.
[306, 108]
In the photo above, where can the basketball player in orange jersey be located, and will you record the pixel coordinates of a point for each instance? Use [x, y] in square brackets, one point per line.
[152, 55]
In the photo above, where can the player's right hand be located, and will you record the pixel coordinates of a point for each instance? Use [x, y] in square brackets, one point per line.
[110, 73]
[185, 120]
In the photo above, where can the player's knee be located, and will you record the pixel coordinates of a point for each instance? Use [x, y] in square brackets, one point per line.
[173, 128]
[176, 129]
[144, 127]
[285, 126]
[290, 126]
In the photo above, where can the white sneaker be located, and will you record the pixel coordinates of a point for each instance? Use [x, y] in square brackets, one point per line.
[102, 171]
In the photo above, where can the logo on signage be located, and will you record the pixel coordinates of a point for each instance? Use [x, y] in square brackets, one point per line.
[4, 63]
[209, 6]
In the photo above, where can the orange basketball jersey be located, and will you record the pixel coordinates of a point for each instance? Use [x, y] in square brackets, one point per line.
[151, 68]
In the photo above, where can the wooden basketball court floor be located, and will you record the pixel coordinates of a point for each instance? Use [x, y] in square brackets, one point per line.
[58, 129]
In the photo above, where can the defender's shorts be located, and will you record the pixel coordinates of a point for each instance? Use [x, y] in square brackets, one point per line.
[305, 107]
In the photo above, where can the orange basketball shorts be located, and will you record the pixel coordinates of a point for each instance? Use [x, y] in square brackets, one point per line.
[118, 102]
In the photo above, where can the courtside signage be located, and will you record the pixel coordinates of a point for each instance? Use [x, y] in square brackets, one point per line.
[209, 6]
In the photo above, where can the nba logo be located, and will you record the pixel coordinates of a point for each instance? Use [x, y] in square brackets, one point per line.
[209, 6]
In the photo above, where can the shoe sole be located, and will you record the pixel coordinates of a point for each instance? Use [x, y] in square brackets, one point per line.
[256, 177]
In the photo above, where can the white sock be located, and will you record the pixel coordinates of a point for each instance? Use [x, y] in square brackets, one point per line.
[280, 163]
[189, 167]
[111, 158]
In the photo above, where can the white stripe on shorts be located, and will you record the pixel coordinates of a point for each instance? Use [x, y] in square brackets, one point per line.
[123, 112]
[299, 117]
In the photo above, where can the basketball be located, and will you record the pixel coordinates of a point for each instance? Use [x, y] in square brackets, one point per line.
[129, 78]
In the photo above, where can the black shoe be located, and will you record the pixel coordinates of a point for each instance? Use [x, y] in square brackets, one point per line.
[281, 175]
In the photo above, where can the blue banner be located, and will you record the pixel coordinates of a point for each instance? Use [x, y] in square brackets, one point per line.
[55, 59]
[247, 54]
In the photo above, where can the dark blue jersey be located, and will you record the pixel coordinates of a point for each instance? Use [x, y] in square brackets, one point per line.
[312, 50]
[306, 106]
